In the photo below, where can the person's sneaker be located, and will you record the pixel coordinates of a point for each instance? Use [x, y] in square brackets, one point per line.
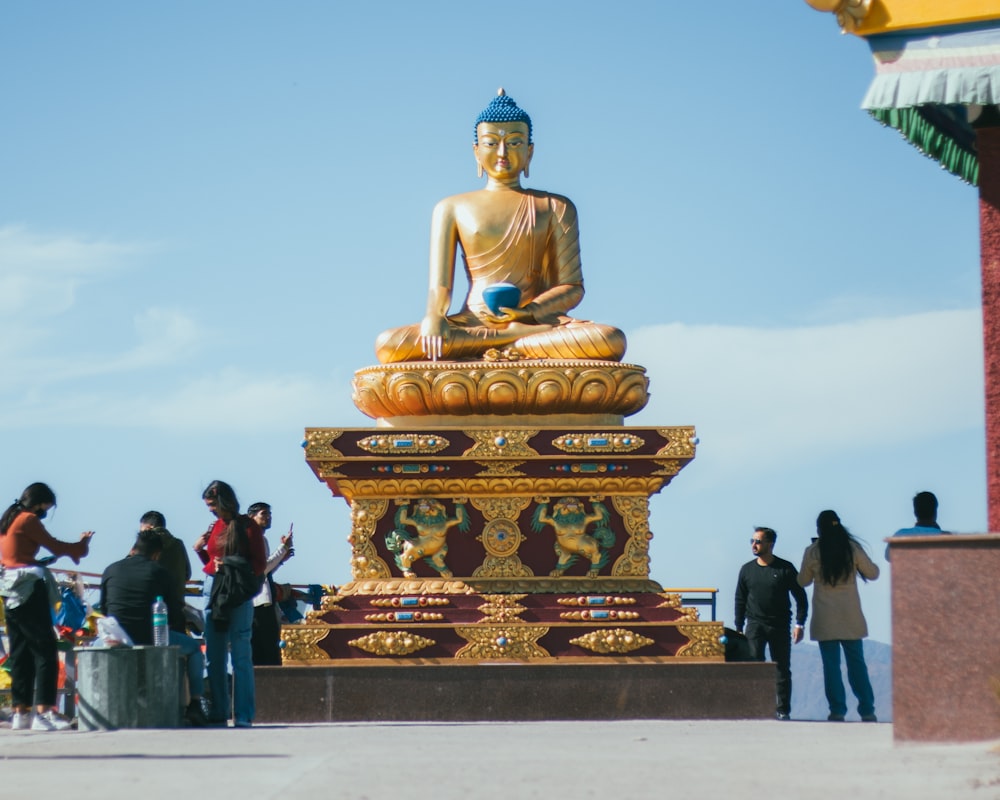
[835, 718]
[50, 721]
[781, 715]
[20, 722]
[195, 714]
[869, 718]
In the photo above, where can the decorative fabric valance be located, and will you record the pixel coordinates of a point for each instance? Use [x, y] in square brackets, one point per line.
[927, 80]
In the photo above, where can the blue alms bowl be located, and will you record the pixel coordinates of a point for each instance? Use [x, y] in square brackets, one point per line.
[501, 295]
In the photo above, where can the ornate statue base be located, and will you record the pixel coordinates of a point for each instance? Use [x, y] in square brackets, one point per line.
[523, 543]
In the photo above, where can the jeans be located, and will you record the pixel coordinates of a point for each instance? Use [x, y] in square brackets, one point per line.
[857, 676]
[235, 643]
[779, 641]
[191, 650]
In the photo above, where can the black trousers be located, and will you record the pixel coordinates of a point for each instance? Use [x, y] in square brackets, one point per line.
[34, 660]
[779, 641]
[266, 633]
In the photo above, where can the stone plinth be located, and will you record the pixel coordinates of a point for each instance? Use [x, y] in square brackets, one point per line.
[128, 687]
[515, 692]
[945, 661]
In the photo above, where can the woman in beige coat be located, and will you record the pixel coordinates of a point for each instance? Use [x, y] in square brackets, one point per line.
[834, 560]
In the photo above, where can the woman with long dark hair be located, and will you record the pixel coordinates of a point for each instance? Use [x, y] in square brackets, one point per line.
[834, 560]
[232, 541]
[34, 660]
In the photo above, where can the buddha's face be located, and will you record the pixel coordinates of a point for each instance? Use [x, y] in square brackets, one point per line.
[503, 149]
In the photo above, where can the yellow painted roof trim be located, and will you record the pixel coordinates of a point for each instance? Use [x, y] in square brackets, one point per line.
[872, 17]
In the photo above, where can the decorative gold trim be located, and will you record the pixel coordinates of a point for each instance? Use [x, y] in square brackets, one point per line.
[329, 469]
[634, 512]
[680, 441]
[494, 642]
[508, 508]
[509, 567]
[302, 643]
[405, 616]
[850, 14]
[391, 643]
[500, 469]
[614, 640]
[498, 443]
[596, 602]
[387, 444]
[668, 469]
[401, 602]
[441, 486]
[319, 443]
[670, 600]
[327, 604]
[620, 442]
[366, 564]
[704, 641]
[488, 585]
[599, 614]
[401, 586]
[503, 609]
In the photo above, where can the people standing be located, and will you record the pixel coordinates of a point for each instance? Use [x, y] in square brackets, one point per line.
[763, 590]
[173, 557]
[833, 561]
[925, 506]
[266, 615]
[232, 549]
[28, 589]
[128, 590]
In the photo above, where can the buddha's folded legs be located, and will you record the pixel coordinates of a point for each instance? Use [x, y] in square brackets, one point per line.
[573, 339]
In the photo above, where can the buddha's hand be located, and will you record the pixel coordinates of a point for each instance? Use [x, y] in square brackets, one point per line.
[509, 315]
[433, 331]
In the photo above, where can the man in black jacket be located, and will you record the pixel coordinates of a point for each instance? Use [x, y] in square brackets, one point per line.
[128, 590]
[762, 601]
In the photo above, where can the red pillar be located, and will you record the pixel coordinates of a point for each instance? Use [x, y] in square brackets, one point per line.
[988, 147]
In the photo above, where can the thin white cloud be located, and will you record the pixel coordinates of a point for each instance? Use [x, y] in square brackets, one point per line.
[35, 266]
[761, 396]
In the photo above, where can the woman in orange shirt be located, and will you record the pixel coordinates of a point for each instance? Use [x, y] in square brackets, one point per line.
[34, 660]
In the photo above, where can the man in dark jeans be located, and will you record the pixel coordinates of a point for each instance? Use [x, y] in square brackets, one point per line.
[762, 601]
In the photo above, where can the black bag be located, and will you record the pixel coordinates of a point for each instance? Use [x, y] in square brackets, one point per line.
[235, 583]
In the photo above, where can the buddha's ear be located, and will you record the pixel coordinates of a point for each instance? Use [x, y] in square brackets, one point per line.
[527, 163]
[479, 164]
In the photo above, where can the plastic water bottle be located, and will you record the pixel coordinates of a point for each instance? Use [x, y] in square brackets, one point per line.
[160, 635]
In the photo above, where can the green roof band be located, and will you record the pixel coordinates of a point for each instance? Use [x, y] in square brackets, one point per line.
[931, 141]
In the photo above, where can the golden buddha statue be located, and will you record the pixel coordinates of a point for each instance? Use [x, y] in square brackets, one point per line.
[507, 235]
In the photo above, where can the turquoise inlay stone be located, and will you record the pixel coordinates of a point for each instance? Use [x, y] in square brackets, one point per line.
[402, 442]
[599, 614]
[404, 616]
[501, 641]
[411, 468]
[595, 601]
[588, 468]
[409, 601]
[626, 441]
[597, 442]
[500, 441]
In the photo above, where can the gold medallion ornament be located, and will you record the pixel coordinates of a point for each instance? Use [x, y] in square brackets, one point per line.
[496, 643]
[704, 640]
[403, 443]
[502, 608]
[500, 537]
[616, 640]
[391, 643]
[598, 442]
[500, 444]
[302, 643]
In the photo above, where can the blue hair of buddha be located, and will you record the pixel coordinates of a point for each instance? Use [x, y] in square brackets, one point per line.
[502, 109]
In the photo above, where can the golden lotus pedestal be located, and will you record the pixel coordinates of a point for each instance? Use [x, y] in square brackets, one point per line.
[506, 538]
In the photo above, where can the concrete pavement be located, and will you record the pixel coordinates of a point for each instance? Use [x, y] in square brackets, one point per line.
[553, 760]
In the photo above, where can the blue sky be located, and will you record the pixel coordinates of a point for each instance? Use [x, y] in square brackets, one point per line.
[209, 210]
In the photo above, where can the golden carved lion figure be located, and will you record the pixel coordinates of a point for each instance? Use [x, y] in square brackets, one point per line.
[431, 521]
[569, 520]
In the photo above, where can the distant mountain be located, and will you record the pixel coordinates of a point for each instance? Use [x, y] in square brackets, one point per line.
[808, 696]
